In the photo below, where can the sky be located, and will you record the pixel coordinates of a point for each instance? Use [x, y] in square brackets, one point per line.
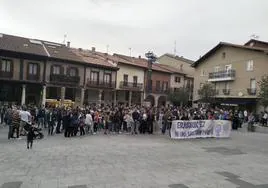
[133, 27]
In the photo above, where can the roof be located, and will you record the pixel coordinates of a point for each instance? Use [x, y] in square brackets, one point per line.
[180, 58]
[141, 62]
[93, 58]
[170, 68]
[37, 47]
[257, 43]
[60, 51]
[221, 44]
[21, 44]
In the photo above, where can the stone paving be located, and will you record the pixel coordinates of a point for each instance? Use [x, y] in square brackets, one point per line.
[149, 161]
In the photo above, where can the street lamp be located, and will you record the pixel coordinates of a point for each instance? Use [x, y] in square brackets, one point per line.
[151, 59]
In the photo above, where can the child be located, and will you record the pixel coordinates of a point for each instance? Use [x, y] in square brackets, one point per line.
[30, 137]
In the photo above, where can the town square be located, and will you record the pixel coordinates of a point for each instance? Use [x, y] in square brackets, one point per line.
[123, 93]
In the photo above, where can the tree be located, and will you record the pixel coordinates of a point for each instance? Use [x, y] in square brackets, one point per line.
[179, 97]
[263, 93]
[207, 93]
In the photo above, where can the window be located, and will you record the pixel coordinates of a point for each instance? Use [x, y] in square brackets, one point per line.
[253, 83]
[177, 79]
[217, 69]
[223, 55]
[250, 65]
[33, 68]
[135, 81]
[6, 65]
[72, 72]
[165, 86]
[107, 78]
[228, 67]
[125, 79]
[56, 69]
[157, 86]
[203, 72]
[94, 76]
[201, 85]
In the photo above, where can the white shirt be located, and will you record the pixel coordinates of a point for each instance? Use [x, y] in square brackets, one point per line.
[88, 120]
[245, 113]
[25, 116]
[265, 116]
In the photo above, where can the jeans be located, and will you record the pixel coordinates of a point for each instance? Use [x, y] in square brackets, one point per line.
[134, 126]
[50, 127]
[41, 122]
[10, 131]
[29, 142]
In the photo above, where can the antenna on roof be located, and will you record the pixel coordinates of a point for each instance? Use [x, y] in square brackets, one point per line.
[175, 47]
[253, 36]
[129, 52]
[64, 38]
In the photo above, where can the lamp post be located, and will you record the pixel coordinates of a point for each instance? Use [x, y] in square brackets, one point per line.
[151, 59]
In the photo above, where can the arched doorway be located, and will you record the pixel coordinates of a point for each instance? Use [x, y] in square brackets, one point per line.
[162, 100]
[150, 98]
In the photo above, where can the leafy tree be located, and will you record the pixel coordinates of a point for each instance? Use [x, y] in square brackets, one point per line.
[179, 97]
[207, 93]
[263, 93]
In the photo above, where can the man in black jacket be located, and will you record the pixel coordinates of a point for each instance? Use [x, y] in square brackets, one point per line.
[136, 118]
[30, 137]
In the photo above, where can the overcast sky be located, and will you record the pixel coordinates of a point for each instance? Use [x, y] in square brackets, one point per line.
[142, 25]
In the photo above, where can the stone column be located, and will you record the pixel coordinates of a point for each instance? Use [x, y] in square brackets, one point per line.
[23, 94]
[82, 97]
[114, 98]
[44, 94]
[156, 101]
[100, 95]
[130, 98]
[62, 95]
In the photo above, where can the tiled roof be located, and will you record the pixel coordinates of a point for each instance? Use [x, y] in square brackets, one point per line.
[37, 47]
[141, 62]
[60, 51]
[171, 69]
[93, 58]
[21, 44]
[210, 52]
[180, 58]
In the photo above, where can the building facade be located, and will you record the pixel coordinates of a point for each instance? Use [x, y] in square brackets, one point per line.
[183, 72]
[235, 71]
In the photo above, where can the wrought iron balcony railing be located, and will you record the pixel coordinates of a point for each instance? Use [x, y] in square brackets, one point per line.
[222, 75]
[131, 85]
[66, 79]
[100, 84]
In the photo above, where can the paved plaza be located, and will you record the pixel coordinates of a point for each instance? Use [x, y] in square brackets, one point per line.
[125, 161]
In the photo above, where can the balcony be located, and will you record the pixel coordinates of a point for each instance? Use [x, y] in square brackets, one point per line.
[226, 91]
[64, 79]
[100, 84]
[130, 85]
[226, 75]
[252, 91]
[4, 74]
[32, 77]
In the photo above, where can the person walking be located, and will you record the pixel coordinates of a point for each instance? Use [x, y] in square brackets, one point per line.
[30, 138]
[51, 121]
[8, 117]
[82, 125]
[16, 122]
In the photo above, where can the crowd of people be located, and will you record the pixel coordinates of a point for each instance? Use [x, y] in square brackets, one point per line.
[114, 119]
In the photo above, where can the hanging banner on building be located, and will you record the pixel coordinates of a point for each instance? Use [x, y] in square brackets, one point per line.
[200, 129]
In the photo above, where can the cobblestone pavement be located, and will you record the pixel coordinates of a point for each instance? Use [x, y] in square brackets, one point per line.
[116, 161]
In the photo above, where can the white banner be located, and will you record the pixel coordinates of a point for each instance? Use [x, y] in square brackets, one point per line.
[200, 129]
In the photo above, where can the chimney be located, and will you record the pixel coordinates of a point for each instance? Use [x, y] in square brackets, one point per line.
[93, 49]
[139, 57]
[68, 44]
